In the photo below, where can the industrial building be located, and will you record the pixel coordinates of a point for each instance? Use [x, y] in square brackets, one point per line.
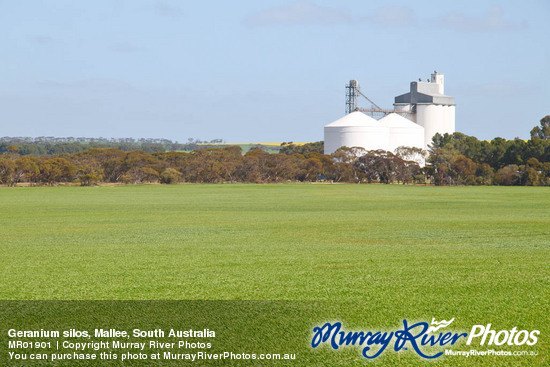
[416, 117]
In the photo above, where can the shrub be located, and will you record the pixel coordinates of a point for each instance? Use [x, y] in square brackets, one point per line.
[170, 176]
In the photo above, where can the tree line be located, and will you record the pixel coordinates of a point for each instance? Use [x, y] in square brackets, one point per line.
[48, 145]
[459, 159]
[455, 159]
[210, 165]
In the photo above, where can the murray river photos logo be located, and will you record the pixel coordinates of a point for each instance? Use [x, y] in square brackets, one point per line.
[420, 337]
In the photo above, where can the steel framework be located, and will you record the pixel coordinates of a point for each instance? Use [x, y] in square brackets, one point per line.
[352, 96]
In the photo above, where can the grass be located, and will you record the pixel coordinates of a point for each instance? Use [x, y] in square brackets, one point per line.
[375, 253]
[268, 147]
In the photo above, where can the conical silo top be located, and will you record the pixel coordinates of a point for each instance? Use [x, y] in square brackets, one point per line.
[356, 118]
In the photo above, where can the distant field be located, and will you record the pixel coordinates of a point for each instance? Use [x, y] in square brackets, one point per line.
[268, 147]
[479, 254]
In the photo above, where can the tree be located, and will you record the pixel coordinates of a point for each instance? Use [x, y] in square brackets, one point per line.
[27, 169]
[515, 153]
[12, 149]
[344, 168]
[414, 154]
[89, 175]
[545, 174]
[310, 169]
[7, 171]
[484, 174]
[439, 141]
[56, 170]
[542, 131]
[290, 148]
[170, 176]
[248, 168]
[139, 167]
[376, 166]
[385, 167]
[465, 170]
[532, 172]
[493, 152]
[407, 171]
[212, 165]
[441, 160]
[508, 175]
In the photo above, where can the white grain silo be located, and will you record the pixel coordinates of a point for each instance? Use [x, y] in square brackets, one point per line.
[402, 132]
[356, 130]
[429, 107]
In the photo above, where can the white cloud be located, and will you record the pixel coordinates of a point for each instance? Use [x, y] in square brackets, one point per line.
[392, 16]
[492, 21]
[298, 13]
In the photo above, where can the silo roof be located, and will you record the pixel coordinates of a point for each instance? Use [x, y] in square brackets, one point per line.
[396, 120]
[424, 93]
[356, 118]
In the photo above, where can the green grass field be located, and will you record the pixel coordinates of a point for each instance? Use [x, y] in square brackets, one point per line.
[479, 254]
[268, 147]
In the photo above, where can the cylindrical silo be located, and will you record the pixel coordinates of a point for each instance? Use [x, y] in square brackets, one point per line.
[403, 132]
[451, 119]
[431, 118]
[356, 130]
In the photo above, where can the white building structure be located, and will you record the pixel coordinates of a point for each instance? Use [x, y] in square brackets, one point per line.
[355, 130]
[419, 115]
[402, 132]
[429, 107]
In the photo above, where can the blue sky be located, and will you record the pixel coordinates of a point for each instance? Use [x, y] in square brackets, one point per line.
[263, 71]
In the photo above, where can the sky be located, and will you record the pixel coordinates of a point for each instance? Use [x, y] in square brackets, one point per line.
[263, 71]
